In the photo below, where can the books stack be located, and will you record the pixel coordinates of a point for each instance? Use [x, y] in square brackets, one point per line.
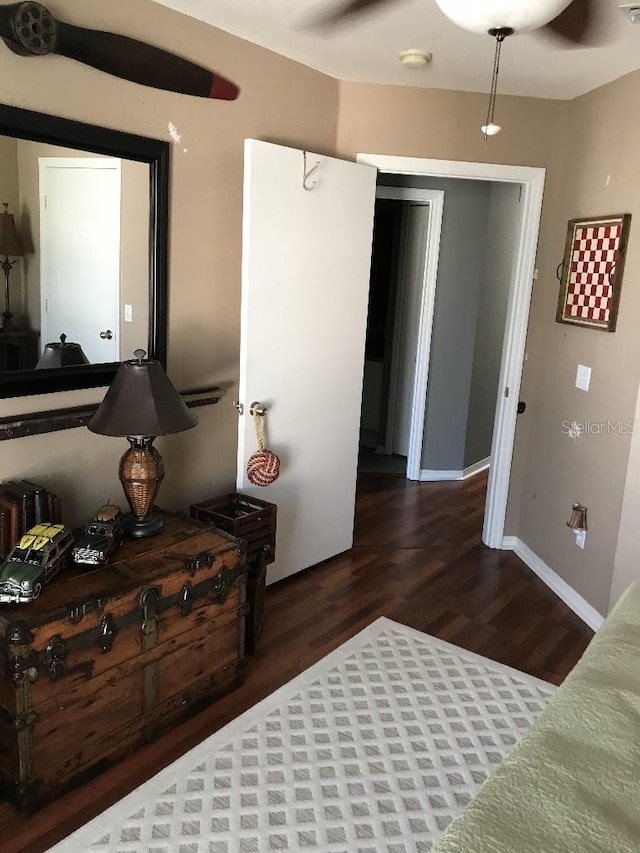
[23, 504]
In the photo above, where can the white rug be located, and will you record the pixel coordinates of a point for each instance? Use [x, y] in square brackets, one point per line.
[375, 748]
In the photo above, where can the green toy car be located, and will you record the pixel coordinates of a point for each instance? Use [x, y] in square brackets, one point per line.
[37, 557]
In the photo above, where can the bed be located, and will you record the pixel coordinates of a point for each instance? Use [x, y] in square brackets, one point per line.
[573, 782]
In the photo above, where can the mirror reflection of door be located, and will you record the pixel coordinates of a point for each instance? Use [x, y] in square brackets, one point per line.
[80, 204]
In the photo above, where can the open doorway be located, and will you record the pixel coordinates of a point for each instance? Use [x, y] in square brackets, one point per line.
[410, 171]
[404, 269]
[455, 399]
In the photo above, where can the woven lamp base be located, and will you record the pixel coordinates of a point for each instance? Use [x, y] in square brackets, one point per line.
[141, 472]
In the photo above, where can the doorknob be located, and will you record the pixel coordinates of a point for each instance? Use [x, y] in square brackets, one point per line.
[106, 335]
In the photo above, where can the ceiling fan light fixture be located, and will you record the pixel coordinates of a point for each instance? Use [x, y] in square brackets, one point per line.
[415, 58]
[632, 11]
[521, 16]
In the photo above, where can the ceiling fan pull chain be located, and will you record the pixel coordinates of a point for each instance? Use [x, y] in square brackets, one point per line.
[500, 34]
[494, 84]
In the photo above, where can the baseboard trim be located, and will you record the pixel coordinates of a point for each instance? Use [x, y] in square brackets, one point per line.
[556, 584]
[428, 475]
[476, 468]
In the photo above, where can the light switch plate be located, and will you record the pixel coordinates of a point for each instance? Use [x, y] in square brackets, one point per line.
[583, 377]
[128, 313]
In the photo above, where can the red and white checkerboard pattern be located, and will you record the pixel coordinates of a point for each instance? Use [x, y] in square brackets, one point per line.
[589, 287]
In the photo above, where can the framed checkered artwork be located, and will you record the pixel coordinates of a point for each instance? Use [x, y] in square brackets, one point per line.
[592, 271]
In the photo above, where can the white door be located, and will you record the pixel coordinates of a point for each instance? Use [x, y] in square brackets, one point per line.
[305, 283]
[80, 253]
[415, 233]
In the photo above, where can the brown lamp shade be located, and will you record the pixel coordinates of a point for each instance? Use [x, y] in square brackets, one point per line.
[142, 401]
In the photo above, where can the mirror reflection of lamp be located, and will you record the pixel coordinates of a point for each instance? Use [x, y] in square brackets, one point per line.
[63, 354]
[10, 247]
[141, 403]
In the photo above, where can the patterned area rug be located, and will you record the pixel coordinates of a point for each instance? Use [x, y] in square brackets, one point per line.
[374, 749]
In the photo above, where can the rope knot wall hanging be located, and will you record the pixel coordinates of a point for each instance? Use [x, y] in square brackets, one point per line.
[263, 467]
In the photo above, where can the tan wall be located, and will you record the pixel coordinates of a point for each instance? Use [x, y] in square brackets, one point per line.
[281, 101]
[9, 193]
[446, 125]
[134, 257]
[602, 178]
[575, 143]
[627, 565]
[9, 173]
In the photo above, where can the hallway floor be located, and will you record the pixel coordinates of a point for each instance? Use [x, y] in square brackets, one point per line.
[370, 462]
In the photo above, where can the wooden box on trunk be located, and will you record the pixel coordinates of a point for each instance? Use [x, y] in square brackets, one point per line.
[248, 518]
[107, 659]
[253, 520]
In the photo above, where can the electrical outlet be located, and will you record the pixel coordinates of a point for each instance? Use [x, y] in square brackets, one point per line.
[581, 538]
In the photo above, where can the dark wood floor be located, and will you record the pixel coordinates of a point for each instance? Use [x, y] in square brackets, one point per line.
[418, 559]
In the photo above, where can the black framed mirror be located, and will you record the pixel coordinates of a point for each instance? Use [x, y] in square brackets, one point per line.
[140, 313]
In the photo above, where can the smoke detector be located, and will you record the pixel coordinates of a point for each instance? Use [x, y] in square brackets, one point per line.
[632, 11]
[415, 58]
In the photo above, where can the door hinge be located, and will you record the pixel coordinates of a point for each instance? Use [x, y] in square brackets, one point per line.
[506, 391]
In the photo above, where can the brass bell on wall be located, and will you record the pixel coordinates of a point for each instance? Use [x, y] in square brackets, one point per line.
[578, 519]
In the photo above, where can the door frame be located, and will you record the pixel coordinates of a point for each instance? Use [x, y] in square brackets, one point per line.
[532, 180]
[434, 199]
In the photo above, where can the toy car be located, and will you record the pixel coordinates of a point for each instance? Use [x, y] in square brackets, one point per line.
[101, 537]
[37, 557]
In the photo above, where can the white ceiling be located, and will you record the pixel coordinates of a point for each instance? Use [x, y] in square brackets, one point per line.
[368, 50]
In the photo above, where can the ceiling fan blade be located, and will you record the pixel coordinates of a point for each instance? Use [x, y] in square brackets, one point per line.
[349, 9]
[577, 25]
[29, 29]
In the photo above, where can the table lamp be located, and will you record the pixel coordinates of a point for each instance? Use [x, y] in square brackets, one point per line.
[141, 403]
[10, 247]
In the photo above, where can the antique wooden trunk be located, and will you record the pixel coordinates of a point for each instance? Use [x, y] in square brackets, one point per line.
[109, 658]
